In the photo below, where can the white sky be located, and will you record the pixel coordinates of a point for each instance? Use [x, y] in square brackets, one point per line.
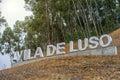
[14, 10]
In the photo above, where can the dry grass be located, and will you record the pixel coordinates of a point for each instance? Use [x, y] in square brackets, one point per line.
[116, 39]
[70, 68]
[67, 68]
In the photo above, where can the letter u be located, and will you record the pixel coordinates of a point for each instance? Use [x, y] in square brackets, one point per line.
[80, 44]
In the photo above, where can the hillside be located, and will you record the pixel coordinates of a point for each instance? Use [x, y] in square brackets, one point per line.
[116, 39]
[70, 68]
[67, 68]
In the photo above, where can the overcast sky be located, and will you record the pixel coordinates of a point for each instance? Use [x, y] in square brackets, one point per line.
[13, 10]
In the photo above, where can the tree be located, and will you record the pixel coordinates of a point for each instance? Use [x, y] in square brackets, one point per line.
[64, 20]
[2, 20]
[8, 40]
[19, 34]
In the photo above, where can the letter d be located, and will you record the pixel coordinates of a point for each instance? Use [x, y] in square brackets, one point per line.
[49, 48]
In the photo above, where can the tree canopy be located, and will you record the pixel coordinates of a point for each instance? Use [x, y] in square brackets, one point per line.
[64, 20]
[56, 21]
[2, 19]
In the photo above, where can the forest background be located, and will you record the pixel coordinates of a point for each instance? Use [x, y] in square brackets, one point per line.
[55, 21]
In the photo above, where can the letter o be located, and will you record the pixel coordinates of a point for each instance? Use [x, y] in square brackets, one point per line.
[109, 38]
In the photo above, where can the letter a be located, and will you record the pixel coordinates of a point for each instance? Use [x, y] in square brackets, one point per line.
[38, 52]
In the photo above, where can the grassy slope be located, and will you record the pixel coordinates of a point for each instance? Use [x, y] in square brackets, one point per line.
[116, 39]
[70, 68]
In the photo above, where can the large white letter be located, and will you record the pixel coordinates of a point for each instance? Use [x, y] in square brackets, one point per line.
[18, 56]
[60, 46]
[93, 42]
[102, 40]
[38, 52]
[49, 48]
[80, 44]
[72, 47]
[27, 54]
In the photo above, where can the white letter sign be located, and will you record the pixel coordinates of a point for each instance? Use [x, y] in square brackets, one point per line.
[60, 46]
[38, 52]
[93, 42]
[108, 42]
[49, 48]
[72, 47]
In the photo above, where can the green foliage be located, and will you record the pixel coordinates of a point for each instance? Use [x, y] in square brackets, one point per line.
[19, 33]
[8, 39]
[55, 21]
[2, 20]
